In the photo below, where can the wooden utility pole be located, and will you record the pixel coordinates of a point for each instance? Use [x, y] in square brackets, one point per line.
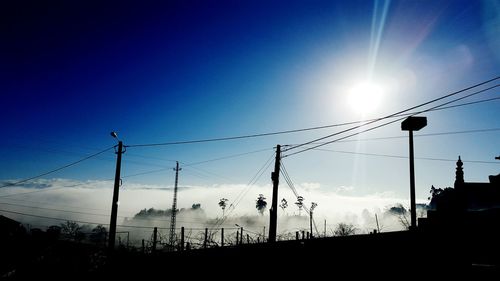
[182, 238]
[206, 238]
[114, 204]
[241, 236]
[311, 221]
[275, 176]
[222, 237]
[376, 219]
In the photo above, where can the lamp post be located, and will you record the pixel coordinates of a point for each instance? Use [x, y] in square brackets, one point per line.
[116, 189]
[410, 124]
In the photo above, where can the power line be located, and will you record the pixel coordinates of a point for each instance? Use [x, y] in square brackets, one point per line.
[226, 157]
[242, 194]
[406, 157]
[47, 217]
[381, 125]
[399, 113]
[335, 140]
[57, 210]
[85, 222]
[467, 103]
[288, 180]
[42, 190]
[423, 135]
[452, 106]
[292, 187]
[242, 136]
[194, 163]
[205, 173]
[304, 129]
[58, 169]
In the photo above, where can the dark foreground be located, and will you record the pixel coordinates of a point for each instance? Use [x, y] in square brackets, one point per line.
[417, 254]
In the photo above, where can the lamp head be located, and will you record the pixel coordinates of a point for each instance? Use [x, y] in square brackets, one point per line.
[114, 135]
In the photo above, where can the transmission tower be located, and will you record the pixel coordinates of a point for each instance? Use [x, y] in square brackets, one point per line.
[174, 207]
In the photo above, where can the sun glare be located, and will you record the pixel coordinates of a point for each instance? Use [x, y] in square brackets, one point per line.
[365, 97]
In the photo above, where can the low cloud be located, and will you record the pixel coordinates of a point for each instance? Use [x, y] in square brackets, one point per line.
[41, 202]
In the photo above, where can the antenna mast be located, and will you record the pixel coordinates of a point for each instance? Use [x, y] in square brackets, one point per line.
[174, 207]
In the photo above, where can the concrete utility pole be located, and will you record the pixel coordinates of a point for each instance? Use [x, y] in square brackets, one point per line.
[116, 190]
[411, 124]
[174, 207]
[273, 214]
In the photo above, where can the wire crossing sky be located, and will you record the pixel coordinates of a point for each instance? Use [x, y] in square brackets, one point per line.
[216, 85]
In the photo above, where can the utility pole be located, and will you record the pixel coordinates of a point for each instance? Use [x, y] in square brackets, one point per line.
[174, 207]
[182, 239]
[155, 237]
[275, 176]
[311, 222]
[376, 219]
[241, 236]
[324, 230]
[222, 237]
[206, 237]
[114, 204]
[410, 124]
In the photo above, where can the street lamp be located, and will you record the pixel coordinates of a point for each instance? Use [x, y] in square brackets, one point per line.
[114, 204]
[410, 124]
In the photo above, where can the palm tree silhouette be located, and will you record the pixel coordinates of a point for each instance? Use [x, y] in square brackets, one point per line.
[223, 204]
[261, 204]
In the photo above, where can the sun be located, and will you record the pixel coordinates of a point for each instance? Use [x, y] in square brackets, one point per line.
[365, 97]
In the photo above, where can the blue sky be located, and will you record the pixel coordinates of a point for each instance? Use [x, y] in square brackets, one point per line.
[162, 71]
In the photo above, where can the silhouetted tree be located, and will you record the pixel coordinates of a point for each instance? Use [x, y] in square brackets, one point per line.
[400, 212]
[344, 229]
[261, 204]
[152, 212]
[300, 203]
[445, 200]
[434, 193]
[72, 230]
[99, 234]
[223, 204]
[283, 204]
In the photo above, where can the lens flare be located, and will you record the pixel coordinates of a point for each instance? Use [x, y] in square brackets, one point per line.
[365, 97]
